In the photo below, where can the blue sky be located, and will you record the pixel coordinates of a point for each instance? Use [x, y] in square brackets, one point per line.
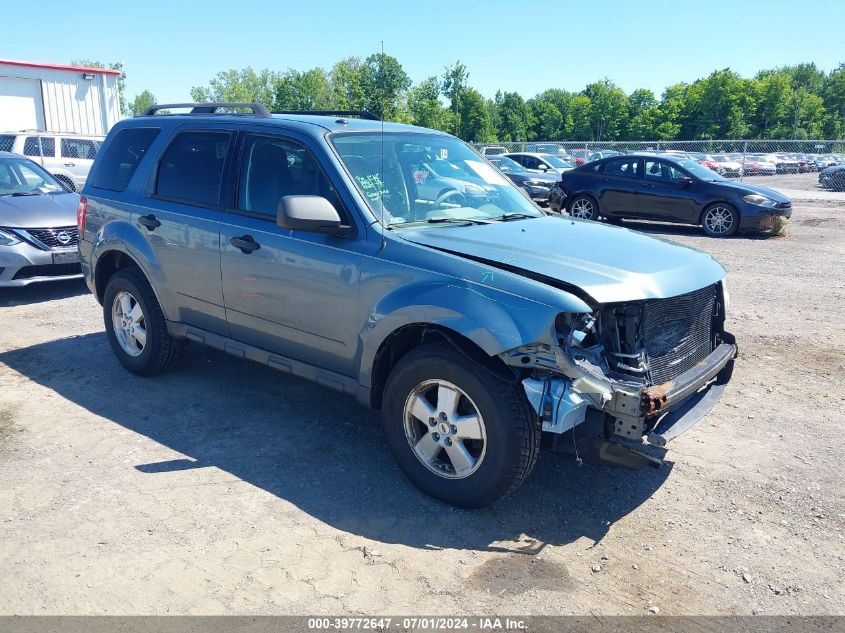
[167, 47]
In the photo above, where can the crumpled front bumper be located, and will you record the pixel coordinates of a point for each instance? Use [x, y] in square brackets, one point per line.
[658, 413]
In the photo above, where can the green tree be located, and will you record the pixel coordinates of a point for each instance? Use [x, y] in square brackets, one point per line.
[725, 100]
[347, 82]
[476, 123]
[385, 83]
[244, 85]
[121, 79]
[141, 102]
[548, 121]
[425, 106]
[454, 85]
[513, 117]
[308, 90]
[642, 115]
[581, 109]
[608, 107]
[774, 96]
[834, 98]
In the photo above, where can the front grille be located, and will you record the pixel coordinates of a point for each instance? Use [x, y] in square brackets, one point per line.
[48, 270]
[51, 237]
[784, 205]
[678, 332]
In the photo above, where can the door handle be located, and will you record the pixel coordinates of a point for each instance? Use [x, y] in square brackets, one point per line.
[70, 164]
[246, 243]
[150, 221]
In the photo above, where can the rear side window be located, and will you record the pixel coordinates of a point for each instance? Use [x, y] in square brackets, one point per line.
[6, 142]
[122, 157]
[47, 146]
[624, 167]
[191, 169]
[78, 148]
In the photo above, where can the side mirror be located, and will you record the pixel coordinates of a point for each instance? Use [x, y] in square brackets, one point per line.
[685, 181]
[542, 167]
[309, 213]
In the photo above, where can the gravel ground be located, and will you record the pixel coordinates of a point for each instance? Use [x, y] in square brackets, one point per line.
[225, 487]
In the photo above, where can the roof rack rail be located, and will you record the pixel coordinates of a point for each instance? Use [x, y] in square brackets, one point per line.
[258, 109]
[359, 113]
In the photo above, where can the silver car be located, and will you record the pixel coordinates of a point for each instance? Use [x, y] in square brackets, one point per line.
[38, 234]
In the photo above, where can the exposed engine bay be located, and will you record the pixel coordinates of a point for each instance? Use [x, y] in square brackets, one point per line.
[635, 362]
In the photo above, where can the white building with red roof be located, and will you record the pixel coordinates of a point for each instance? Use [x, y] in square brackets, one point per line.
[57, 98]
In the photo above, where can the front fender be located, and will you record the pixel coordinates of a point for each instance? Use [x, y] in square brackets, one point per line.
[123, 237]
[494, 320]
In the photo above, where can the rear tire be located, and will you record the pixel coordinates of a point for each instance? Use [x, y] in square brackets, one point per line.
[720, 220]
[583, 207]
[459, 432]
[135, 325]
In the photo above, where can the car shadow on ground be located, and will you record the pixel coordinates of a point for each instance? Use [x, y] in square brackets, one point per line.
[322, 451]
[38, 292]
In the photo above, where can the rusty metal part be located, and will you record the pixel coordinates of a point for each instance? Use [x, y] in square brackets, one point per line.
[653, 398]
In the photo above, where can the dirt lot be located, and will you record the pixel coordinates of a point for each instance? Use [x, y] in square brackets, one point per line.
[226, 487]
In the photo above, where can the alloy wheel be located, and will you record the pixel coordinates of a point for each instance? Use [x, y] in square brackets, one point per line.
[582, 208]
[719, 220]
[444, 429]
[129, 324]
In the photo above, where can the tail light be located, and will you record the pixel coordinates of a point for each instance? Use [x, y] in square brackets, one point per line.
[81, 212]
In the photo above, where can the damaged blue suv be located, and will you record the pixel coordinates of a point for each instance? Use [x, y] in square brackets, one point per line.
[325, 245]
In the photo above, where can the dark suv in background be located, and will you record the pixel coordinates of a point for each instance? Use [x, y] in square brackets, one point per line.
[475, 321]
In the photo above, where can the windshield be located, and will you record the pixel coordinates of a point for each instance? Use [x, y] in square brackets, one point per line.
[554, 161]
[22, 177]
[699, 170]
[507, 165]
[424, 178]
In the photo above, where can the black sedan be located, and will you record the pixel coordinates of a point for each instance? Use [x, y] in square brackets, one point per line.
[649, 187]
[538, 186]
[833, 177]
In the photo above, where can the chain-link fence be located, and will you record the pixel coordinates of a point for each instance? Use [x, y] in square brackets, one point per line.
[785, 163]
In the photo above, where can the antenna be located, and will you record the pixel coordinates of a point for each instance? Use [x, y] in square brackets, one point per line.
[381, 186]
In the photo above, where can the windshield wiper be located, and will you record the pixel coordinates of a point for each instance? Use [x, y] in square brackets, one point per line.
[24, 193]
[455, 221]
[505, 217]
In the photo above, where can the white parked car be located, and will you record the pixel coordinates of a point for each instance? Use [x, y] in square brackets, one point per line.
[67, 156]
[729, 168]
[540, 163]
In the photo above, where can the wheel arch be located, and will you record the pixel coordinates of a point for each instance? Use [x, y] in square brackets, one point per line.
[408, 337]
[108, 264]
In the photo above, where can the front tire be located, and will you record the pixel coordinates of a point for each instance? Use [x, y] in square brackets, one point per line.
[720, 220]
[584, 207]
[135, 325]
[459, 432]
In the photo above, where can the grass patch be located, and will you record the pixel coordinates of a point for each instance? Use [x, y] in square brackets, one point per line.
[779, 227]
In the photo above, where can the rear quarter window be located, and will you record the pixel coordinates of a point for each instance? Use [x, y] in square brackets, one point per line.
[122, 156]
[6, 142]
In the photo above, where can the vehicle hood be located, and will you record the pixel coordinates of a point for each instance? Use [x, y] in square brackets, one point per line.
[609, 263]
[832, 168]
[42, 211]
[743, 187]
